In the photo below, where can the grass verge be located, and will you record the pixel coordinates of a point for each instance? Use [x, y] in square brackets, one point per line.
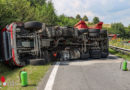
[126, 57]
[119, 42]
[35, 73]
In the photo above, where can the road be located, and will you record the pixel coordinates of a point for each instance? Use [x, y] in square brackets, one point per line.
[97, 74]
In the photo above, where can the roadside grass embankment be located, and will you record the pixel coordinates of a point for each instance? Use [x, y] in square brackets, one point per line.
[119, 42]
[126, 57]
[35, 74]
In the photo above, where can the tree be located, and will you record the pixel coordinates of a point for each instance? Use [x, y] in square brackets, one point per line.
[85, 18]
[14, 10]
[66, 21]
[37, 2]
[27, 10]
[47, 14]
[129, 27]
[32, 10]
[118, 28]
[78, 17]
[96, 20]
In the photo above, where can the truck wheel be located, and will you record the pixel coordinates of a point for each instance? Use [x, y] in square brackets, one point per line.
[93, 34]
[84, 56]
[32, 25]
[103, 34]
[82, 31]
[96, 54]
[37, 62]
[103, 31]
[104, 54]
[104, 47]
[93, 30]
[46, 56]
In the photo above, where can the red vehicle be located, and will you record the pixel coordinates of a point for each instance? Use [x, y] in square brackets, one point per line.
[34, 43]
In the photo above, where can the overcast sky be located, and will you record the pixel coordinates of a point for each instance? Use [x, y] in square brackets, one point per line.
[107, 10]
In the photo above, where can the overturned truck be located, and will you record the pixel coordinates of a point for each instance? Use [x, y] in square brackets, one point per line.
[35, 43]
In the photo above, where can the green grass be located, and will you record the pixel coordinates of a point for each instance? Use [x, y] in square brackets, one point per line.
[35, 73]
[119, 43]
[126, 57]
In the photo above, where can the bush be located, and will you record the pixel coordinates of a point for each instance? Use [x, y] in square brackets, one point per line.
[118, 28]
[66, 21]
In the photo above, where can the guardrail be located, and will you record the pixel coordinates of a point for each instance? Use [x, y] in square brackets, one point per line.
[121, 50]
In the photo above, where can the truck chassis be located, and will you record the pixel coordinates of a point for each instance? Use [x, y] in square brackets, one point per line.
[35, 43]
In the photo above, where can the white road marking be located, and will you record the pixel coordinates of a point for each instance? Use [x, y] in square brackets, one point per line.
[51, 79]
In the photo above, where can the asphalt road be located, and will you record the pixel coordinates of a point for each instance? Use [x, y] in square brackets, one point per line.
[98, 74]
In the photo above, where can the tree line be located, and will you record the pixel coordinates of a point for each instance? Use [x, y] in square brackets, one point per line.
[26, 10]
[35, 10]
[85, 18]
[120, 29]
[40, 10]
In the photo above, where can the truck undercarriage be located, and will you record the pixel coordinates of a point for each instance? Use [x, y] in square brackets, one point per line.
[35, 43]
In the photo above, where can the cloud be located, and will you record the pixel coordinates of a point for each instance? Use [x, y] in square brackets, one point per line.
[90, 14]
[121, 0]
[107, 10]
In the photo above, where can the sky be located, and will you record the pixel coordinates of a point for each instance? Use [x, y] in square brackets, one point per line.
[109, 11]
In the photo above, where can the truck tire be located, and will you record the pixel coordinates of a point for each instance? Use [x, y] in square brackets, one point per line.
[104, 48]
[103, 32]
[47, 56]
[84, 56]
[93, 30]
[33, 25]
[37, 62]
[93, 34]
[104, 54]
[96, 54]
[80, 32]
